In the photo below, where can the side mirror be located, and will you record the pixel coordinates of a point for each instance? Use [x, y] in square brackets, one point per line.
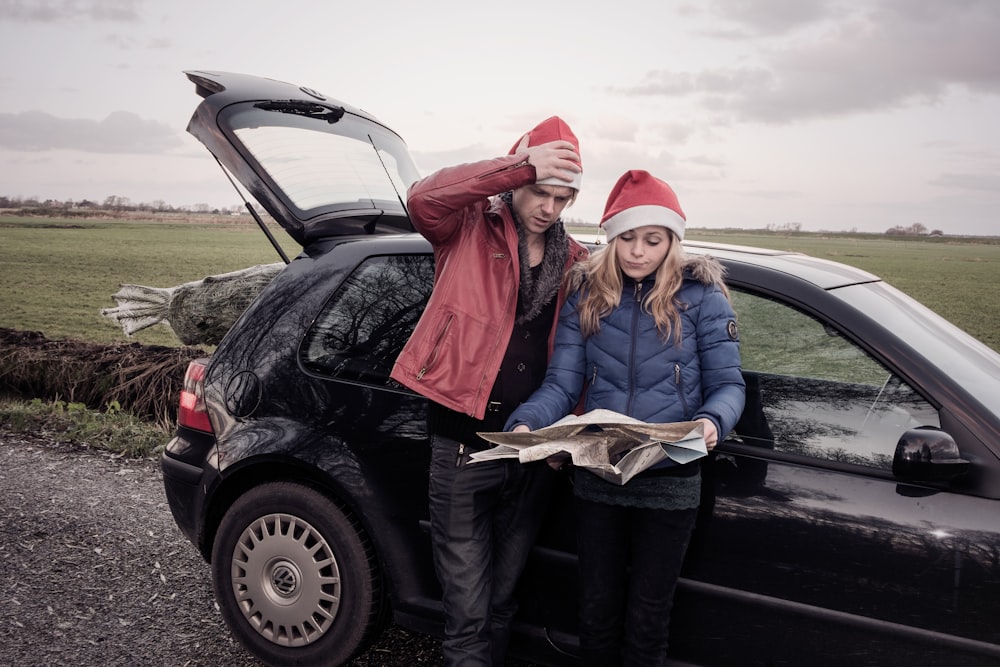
[927, 454]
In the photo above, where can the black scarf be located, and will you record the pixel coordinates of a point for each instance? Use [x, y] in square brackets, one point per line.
[536, 293]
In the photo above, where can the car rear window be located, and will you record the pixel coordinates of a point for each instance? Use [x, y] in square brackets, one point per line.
[318, 164]
[320, 170]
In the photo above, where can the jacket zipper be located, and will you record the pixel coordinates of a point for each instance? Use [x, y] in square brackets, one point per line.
[508, 308]
[520, 164]
[434, 350]
[461, 452]
[636, 311]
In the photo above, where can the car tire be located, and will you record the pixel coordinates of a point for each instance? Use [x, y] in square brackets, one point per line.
[295, 577]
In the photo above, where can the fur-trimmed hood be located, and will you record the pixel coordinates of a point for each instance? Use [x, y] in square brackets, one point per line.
[705, 269]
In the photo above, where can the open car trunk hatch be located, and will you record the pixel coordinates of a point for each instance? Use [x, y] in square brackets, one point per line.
[318, 166]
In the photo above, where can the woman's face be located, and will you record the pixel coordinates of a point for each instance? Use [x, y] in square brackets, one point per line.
[640, 251]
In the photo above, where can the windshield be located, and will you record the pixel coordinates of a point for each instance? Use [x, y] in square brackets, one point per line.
[326, 161]
[970, 362]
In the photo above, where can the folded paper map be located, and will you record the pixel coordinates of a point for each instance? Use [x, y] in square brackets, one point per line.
[611, 445]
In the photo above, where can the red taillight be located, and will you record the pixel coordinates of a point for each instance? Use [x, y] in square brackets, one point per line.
[191, 412]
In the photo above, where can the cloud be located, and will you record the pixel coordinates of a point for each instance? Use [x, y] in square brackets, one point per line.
[59, 11]
[724, 82]
[120, 132]
[616, 128]
[430, 161]
[981, 182]
[770, 17]
[707, 161]
[844, 59]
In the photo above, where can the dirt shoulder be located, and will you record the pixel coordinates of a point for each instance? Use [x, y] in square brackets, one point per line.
[93, 570]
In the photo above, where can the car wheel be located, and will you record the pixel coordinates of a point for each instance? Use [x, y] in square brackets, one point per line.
[295, 577]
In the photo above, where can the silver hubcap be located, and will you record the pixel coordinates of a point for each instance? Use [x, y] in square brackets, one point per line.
[286, 580]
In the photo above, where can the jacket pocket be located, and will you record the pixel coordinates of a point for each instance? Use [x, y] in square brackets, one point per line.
[435, 351]
[588, 382]
[681, 394]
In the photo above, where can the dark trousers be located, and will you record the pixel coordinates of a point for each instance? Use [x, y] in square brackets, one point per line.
[630, 559]
[484, 520]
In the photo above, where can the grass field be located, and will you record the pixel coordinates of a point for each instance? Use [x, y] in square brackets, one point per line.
[958, 278]
[56, 275]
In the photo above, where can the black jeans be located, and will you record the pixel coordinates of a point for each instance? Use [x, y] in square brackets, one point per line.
[484, 520]
[630, 559]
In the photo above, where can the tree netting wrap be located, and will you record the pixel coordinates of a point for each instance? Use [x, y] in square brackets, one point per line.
[198, 312]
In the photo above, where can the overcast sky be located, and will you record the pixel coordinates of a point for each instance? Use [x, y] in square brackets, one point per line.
[836, 114]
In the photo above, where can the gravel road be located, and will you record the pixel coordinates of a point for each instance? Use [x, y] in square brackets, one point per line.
[93, 570]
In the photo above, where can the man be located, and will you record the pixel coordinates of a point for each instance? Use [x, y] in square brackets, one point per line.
[480, 349]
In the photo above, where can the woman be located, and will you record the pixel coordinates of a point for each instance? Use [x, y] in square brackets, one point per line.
[652, 334]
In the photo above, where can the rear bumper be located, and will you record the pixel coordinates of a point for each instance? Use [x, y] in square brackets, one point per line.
[181, 483]
[184, 466]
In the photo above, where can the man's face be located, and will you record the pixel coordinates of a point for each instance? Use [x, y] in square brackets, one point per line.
[538, 206]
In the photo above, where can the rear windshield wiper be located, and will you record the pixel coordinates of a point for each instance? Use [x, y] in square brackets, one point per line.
[308, 109]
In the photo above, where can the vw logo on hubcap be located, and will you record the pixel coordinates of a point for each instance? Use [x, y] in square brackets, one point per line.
[284, 579]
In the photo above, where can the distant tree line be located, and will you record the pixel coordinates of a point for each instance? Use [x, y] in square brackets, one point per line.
[33, 205]
[784, 227]
[916, 229]
[118, 204]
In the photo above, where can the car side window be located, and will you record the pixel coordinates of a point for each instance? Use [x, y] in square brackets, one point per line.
[366, 322]
[812, 392]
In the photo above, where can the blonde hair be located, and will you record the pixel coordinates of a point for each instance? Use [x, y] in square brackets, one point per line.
[599, 279]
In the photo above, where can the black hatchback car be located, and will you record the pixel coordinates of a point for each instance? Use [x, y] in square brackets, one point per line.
[852, 517]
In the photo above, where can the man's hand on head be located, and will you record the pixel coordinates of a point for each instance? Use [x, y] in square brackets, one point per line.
[557, 159]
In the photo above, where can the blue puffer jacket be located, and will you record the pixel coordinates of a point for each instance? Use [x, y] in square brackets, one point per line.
[631, 370]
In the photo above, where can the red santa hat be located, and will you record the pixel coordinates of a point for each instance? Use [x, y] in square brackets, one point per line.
[553, 129]
[639, 199]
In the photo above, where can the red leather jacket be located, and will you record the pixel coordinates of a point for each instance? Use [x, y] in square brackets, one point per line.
[454, 354]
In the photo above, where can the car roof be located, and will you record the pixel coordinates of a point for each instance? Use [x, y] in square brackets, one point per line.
[822, 273]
